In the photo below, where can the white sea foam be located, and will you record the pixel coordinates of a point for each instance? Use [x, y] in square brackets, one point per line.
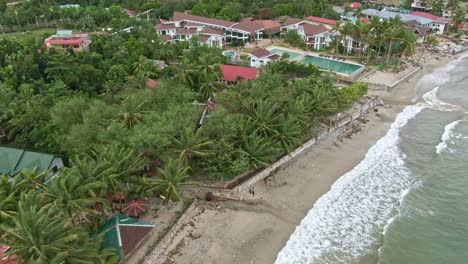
[448, 136]
[435, 103]
[348, 220]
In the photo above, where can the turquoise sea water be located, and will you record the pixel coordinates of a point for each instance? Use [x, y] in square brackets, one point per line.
[407, 201]
[332, 65]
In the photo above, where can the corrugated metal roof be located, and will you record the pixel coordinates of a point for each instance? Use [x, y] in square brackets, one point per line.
[13, 160]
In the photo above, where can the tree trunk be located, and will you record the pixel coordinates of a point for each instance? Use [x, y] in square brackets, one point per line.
[389, 50]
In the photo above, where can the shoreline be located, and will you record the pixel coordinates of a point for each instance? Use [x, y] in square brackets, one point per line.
[255, 230]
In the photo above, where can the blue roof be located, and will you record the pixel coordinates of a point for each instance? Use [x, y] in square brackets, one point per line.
[384, 14]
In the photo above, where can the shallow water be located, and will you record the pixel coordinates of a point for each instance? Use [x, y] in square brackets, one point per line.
[407, 201]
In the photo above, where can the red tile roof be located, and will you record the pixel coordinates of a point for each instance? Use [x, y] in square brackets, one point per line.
[437, 19]
[191, 24]
[312, 30]
[355, 5]
[292, 21]
[178, 16]
[130, 13]
[249, 26]
[261, 53]
[232, 73]
[186, 31]
[273, 26]
[322, 20]
[203, 38]
[164, 26]
[167, 38]
[425, 15]
[212, 31]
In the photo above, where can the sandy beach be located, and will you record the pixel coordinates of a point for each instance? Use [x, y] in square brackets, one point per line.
[256, 229]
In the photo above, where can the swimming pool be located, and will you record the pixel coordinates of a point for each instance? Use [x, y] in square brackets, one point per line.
[229, 53]
[292, 55]
[333, 65]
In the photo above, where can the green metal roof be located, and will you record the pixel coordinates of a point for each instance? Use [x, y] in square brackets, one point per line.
[111, 231]
[13, 160]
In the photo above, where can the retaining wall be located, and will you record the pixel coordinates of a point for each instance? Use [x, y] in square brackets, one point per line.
[339, 128]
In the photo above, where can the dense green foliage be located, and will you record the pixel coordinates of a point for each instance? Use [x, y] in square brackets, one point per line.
[121, 137]
[92, 14]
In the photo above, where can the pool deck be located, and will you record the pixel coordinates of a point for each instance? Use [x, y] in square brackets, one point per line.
[303, 54]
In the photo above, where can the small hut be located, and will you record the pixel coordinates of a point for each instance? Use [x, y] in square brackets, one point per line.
[123, 233]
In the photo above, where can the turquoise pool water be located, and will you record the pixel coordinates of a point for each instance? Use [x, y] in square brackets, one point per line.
[332, 65]
[292, 54]
[229, 53]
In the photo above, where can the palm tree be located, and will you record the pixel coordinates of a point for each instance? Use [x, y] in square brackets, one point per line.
[208, 89]
[336, 30]
[265, 117]
[32, 179]
[186, 74]
[289, 134]
[189, 145]
[391, 34]
[169, 180]
[40, 235]
[145, 68]
[8, 199]
[132, 113]
[378, 30]
[208, 68]
[75, 196]
[408, 40]
[259, 151]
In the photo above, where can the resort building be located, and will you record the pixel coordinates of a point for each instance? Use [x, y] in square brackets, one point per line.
[233, 73]
[315, 36]
[420, 5]
[420, 19]
[328, 23]
[65, 39]
[13, 160]
[215, 32]
[439, 23]
[261, 56]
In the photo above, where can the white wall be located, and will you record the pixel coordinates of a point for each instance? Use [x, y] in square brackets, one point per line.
[258, 62]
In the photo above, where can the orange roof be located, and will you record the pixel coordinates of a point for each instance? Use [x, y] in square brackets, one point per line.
[232, 73]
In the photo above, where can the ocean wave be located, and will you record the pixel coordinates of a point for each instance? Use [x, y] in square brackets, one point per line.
[441, 75]
[448, 135]
[348, 221]
[434, 102]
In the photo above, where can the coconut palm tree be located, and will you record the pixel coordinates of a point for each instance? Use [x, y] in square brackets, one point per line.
[169, 180]
[132, 112]
[75, 196]
[186, 74]
[145, 68]
[208, 89]
[408, 40]
[208, 68]
[40, 235]
[259, 151]
[265, 117]
[289, 134]
[189, 145]
[336, 30]
[8, 199]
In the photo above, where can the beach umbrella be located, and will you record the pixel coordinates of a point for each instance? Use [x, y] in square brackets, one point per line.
[135, 208]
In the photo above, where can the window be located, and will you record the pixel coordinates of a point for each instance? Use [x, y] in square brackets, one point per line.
[261, 61]
[54, 169]
[253, 60]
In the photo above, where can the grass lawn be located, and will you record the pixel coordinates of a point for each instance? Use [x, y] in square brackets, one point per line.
[28, 35]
